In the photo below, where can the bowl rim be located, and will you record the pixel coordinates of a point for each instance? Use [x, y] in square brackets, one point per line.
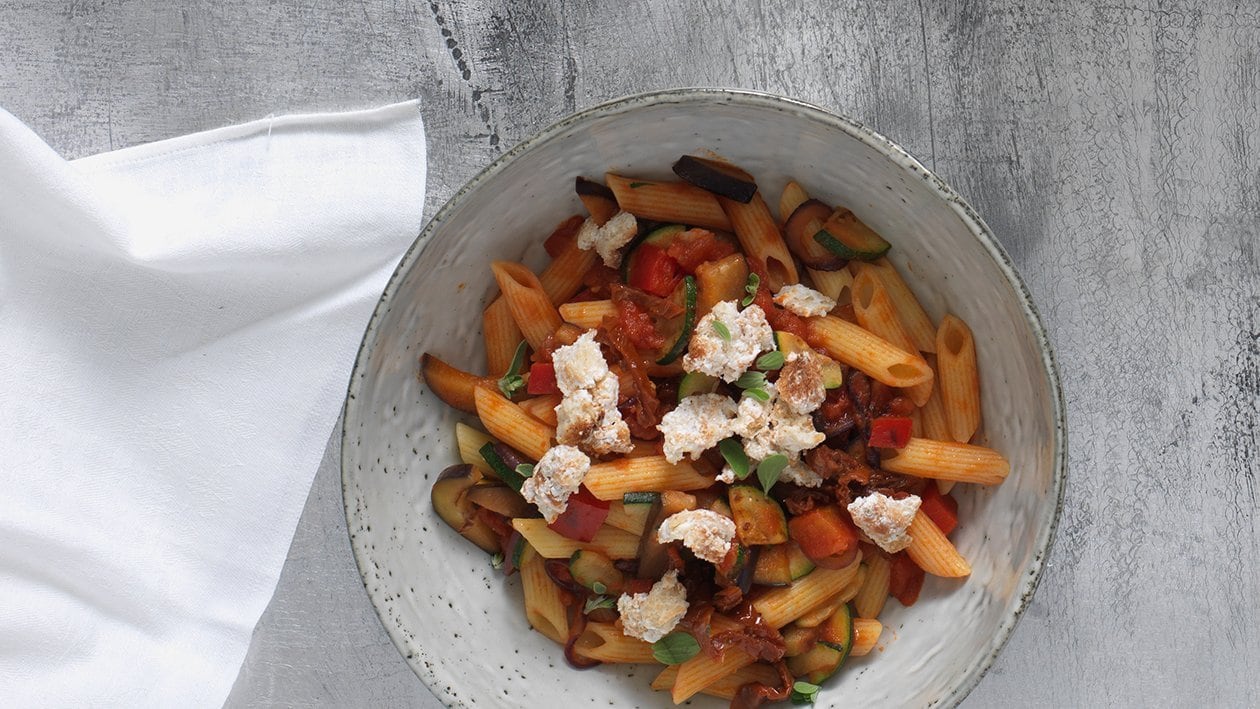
[971, 676]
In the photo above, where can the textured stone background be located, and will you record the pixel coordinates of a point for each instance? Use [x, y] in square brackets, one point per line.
[1113, 149]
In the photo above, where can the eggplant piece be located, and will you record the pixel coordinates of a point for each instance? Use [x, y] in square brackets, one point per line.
[717, 177]
[589, 567]
[452, 385]
[450, 500]
[799, 231]
[501, 499]
[598, 199]
[653, 555]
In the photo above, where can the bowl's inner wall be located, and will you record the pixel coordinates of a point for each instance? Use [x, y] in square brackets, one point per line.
[460, 624]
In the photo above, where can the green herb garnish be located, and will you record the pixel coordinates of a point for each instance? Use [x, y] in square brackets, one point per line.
[720, 328]
[758, 393]
[733, 451]
[599, 587]
[595, 603]
[675, 649]
[497, 560]
[768, 470]
[754, 282]
[770, 360]
[512, 381]
[804, 692]
[751, 380]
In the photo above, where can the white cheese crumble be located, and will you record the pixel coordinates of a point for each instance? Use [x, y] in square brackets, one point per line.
[803, 300]
[770, 427]
[697, 424]
[727, 475]
[711, 353]
[556, 476]
[801, 474]
[885, 520]
[607, 240]
[800, 382]
[587, 416]
[651, 616]
[705, 532]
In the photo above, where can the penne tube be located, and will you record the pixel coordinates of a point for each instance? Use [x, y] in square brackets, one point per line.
[668, 202]
[728, 686]
[875, 312]
[935, 426]
[632, 518]
[609, 541]
[912, 314]
[959, 378]
[470, 441]
[453, 386]
[544, 608]
[542, 407]
[916, 423]
[874, 592]
[863, 350]
[932, 550]
[837, 285]
[607, 643]
[509, 423]
[562, 278]
[612, 480]
[793, 196]
[501, 335]
[588, 314]
[866, 632]
[944, 486]
[761, 239]
[529, 304]
[721, 280]
[947, 460]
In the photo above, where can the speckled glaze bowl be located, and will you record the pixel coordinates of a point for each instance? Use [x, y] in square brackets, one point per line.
[460, 624]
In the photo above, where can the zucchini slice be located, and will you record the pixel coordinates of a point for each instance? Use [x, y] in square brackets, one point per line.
[687, 322]
[844, 235]
[805, 221]
[833, 373]
[781, 564]
[591, 567]
[717, 177]
[837, 632]
[496, 456]
[640, 498]
[817, 664]
[798, 640]
[696, 383]
[758, 518]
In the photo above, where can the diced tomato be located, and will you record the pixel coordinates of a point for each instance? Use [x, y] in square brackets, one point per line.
[905, 579]
[564, 233]
[941, 509]
[654, 270]
[542, 379]
[890, 432]
[582, 518]
[696, 246]
[638, 326]
[823, 532]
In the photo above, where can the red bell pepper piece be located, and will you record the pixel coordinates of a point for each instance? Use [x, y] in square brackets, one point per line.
[890, 432]
[542, 379]
[583, 517]
[823, 532]
[654, 271]
[905, 579]
[941, 509]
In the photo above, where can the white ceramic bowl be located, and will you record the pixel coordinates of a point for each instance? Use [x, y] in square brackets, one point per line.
[460, 624]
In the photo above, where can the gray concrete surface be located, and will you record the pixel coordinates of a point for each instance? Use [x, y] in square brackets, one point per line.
[1112, 147]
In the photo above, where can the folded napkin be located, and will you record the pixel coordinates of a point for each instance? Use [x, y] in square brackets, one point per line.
[178, 322]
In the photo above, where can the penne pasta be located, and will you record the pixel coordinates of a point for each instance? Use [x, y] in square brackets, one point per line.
[607, 643]
[612, 480]
[542, 407]
[946, 460]
[588, 314]
[916, 320]
[866, 632]
[609, 541]
[501, 335]
[932, 550]
[793, 196]
[867, 352]
[529, 304]
[720, 280]
[562, 278]
[837, 285]
[453, 386]
[597, 199]
[544, 607]
[629, 518]
[935, 426]
[874, 311]
[761, 239]
[959, 378]
[668, 202]
[470, 441]
[874, 592]
[512, 425]
[728, 686]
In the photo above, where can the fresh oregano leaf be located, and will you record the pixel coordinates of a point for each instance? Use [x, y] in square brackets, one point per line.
[675, 649]
[770, 360]
[804, 692]
[733, 451]
[720, 328]
[754, 282]
[768, 470]
[512, 381]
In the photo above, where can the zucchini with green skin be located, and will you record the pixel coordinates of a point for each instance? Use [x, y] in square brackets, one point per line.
[758, 518]
[696, 383]
[640, 498]
[834, 643]
[844, 235]
[781, 564]
[503, 461]
[594, 571]
[805, 221]
[832, 373]
[688, 322]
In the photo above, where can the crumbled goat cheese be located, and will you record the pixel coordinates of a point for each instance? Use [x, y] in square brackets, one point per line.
[885, 520]
[587, 416]
[770, 427]
[801, 474]
[651, 616]
[711, 353]
[607, 240]
[726, 476]
[697, 424]
[800, 382]
[705, 532]
[803, 300]
[556, 476]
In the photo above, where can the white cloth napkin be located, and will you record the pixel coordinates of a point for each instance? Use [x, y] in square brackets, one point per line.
[177, 326]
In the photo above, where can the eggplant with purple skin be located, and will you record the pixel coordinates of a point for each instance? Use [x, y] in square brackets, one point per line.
[720, 178]
[450, 500]
[501, 499]
[799, 231]
[597, 198]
